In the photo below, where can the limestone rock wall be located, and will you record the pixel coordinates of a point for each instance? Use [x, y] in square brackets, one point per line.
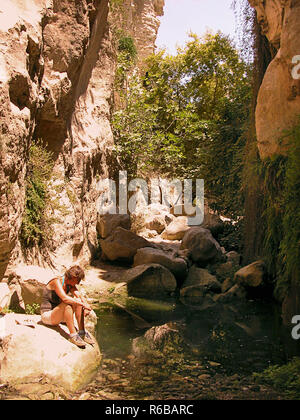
[57, 65]
[278, 103]
[140, 19]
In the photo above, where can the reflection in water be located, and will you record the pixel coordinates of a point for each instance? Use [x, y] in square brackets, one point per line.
[242, 339]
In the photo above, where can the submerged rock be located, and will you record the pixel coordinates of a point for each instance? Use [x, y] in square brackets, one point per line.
[235, 293]
[197, 297]
[163, 338]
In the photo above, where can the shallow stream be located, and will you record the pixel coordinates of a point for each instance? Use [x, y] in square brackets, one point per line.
[219, 351]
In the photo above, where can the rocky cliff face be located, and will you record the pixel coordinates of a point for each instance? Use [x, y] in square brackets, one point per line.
[278, 104]
[140, 20]
[56, 78]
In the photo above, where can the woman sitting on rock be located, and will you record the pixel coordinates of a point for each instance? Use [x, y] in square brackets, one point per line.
[61, 300]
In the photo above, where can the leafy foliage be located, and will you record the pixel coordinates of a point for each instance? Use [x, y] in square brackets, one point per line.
[33, 309]
[274, 177]
[184, 118]
[126, 54]
[126, 45]
[290, 244]
[283, 378]
[35, 223]
[280, 178]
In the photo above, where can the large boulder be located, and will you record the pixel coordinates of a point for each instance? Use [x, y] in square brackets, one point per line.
[31, 354]
[201, 277]
[158, 222]
[107, 223]
[150, 281]
[203, 248]
[163, 338]
[278, 100]
[252, 275]
[213, 223]
[177, 266]
[32, 280]
[154, 217]
[122, 245]
[176, 229]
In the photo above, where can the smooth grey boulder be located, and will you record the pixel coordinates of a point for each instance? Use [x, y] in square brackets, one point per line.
[204, 249]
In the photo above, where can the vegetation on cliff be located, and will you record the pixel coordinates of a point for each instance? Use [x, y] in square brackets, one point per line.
[282, 215]
[39, 171]
[42, 205]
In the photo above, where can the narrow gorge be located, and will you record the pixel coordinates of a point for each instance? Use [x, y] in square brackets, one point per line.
[159, 288]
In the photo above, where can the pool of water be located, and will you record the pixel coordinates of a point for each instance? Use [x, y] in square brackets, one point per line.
[241, 339]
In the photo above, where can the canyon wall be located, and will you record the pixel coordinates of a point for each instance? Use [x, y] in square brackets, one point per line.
[140, 20]
[57, 65]
[278, 102]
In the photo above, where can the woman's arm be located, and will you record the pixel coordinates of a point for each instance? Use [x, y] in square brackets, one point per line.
[78, 295]
[57, 287]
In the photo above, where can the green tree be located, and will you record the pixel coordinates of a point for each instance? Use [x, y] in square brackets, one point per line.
[184, 118]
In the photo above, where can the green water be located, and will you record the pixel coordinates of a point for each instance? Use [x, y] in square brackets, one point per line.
[242, 339]
[116, 328]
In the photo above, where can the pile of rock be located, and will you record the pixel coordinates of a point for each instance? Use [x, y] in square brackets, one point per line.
[179, 259]
[168, 256]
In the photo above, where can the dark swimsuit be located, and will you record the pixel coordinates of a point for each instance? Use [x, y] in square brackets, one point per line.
[50, 299]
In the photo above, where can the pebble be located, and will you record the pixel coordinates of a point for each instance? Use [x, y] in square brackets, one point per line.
[214, 364]
[204, 377]
[85, 396]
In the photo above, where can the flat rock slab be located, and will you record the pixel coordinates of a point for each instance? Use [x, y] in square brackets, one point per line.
[29, 354]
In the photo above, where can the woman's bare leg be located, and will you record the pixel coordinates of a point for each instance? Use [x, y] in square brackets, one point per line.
[79, 314]
[69, 318]
[64, 313]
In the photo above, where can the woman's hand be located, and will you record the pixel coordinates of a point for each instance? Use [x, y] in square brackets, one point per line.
[87, 310]
[78, 302]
